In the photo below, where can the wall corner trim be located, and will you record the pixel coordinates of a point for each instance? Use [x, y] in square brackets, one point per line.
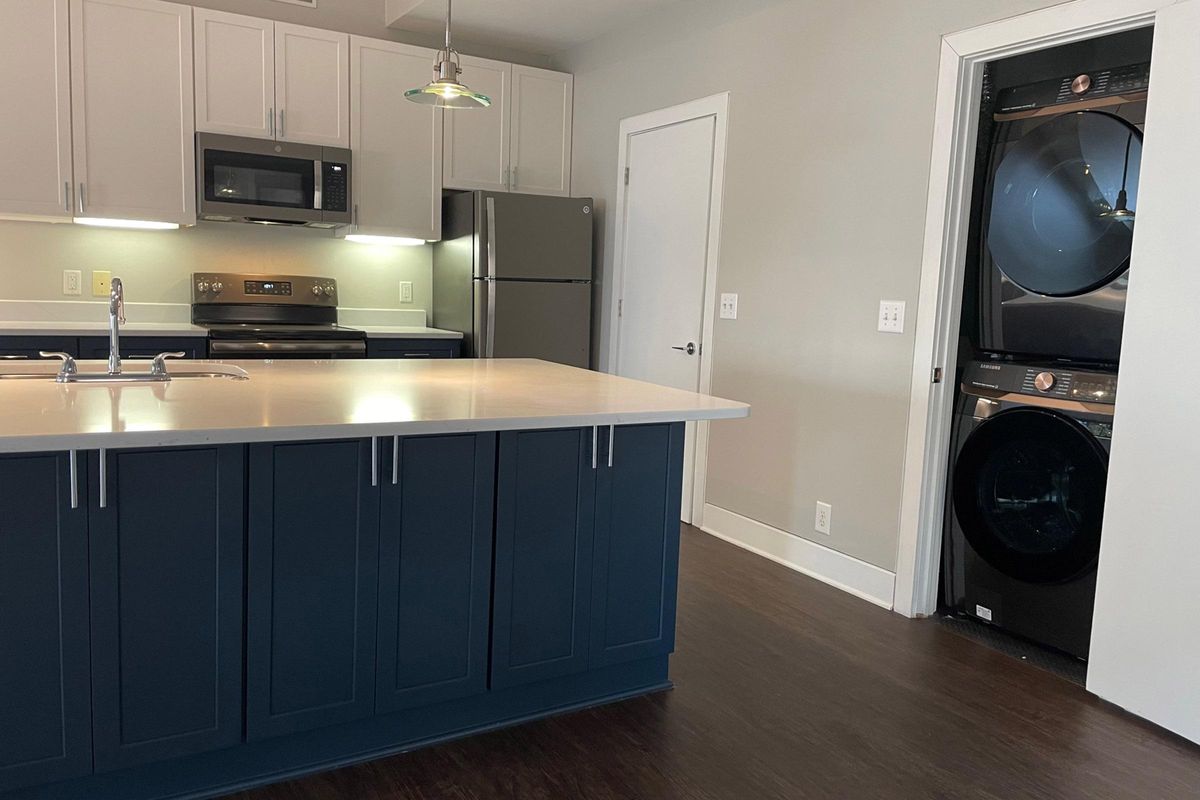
[866, 581]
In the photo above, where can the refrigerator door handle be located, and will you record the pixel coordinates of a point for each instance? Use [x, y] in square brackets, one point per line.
[489, 345]
[490, 204]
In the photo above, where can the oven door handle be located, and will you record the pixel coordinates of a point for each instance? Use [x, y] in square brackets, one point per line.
[249, 348]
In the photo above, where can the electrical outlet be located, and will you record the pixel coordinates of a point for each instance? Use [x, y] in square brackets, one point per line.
[72, 282]
[891, 316]
[406, 291]
[101, 282]
[728, 306]
[823, 517]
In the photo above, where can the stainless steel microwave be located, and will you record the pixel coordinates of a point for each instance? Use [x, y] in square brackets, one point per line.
[274, 183]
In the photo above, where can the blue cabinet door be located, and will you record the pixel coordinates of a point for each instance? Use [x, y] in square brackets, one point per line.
[145, 346]
[637, 543]
[45, 702]
[311, 586]
[166, 589]
[29, 347]
[545, 508]
[413, 348]
[435, 569]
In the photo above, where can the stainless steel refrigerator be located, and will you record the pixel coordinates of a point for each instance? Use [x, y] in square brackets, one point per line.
[513, 272]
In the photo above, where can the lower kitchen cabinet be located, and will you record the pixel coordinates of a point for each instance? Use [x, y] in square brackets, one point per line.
[414, 348]
[22, 347]
[145, 346]
[166, 602]
[311, 585]
[636, 552]
[435, 569]
[45, 691]
[545, 508]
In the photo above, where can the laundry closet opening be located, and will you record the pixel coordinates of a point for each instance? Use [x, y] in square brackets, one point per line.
[1052, 215]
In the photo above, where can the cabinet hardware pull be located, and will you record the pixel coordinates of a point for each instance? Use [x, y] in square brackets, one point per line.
[103, 478]
[281, 121]
[67, 196]
[271, 122]
[74, 479]
[612, 435]
[82, 198]
[395, 460]
[374, 460]
[513, 185]
[595, 440]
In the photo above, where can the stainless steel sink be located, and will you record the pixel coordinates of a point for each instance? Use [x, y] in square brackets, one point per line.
[37, 372]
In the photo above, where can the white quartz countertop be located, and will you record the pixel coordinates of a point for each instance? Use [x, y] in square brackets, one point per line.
[99, 328]
[298, 400]
[406, 332]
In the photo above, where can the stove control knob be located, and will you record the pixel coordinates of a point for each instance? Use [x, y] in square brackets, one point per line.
[1045, 381]
[202, 287]
[329, 291]
[1081, 84]
[316, 290]
[217, 287]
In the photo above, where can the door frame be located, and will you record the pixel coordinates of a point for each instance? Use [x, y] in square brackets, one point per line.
[717, 107]
[951, 178]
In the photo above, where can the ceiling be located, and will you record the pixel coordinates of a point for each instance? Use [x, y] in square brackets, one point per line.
[536, 26]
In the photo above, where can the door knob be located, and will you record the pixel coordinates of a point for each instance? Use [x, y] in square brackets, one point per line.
[690, 349]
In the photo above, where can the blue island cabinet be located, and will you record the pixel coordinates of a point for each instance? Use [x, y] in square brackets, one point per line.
[45, 691]
[166, 540]
[587, 549]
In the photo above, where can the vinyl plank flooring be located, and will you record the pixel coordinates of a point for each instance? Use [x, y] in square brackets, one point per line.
[788, 688]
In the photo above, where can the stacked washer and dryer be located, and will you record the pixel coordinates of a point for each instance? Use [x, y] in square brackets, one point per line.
[1033, 417]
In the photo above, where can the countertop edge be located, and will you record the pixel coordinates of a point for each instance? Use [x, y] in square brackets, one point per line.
[109, 440]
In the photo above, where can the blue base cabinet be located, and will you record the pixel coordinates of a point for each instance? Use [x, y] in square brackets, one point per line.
[166, 603]
[145, 346]
[205, 619]
[45, 682]
[311, 585]
[413, 348]
[435, 569]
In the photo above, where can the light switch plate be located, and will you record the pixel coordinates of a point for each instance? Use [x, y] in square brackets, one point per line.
[891, 316]
[823, 518]
[406, 292]
[729, 306]
[101, 282]
[72, 282]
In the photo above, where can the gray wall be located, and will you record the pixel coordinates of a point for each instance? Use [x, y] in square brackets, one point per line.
[829, 144]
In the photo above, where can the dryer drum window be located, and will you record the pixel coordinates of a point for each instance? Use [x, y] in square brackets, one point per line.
[1029, 494]
[1052, 227]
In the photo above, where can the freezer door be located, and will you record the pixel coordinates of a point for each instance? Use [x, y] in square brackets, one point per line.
[530, 237]
[550, 321]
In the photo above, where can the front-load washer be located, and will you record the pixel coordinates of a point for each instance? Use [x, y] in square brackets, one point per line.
[1029, 467]
[1058, 216]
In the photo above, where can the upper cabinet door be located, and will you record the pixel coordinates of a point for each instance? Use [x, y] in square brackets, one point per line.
[397, 145]
[235, 74]
[133, 117]
[35, 82]
[312, 85]
[476, 154]
[542, 103]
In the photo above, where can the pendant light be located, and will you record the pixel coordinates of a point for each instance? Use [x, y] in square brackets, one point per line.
[1120, 211]
[444, 90]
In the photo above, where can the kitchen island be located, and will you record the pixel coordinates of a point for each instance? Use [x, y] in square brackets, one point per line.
[211, 583]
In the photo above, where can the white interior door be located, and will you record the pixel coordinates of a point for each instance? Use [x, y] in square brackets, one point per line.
[664, 256]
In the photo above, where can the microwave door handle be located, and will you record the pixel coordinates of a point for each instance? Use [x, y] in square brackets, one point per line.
[318, 169]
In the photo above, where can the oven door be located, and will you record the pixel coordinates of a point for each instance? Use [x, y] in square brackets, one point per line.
[290, 349]
[258, 180]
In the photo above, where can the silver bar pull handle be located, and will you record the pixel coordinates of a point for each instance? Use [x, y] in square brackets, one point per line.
[612, 438]
[103, 478]
[595, 441]
[374, 460]
[318, 184]
[82, 197]
[281, 120]
[67, 196]
[74, 479]
[395, 461]
[271, 122]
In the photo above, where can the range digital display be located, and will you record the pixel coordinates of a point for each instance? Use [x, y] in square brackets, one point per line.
[275, 288]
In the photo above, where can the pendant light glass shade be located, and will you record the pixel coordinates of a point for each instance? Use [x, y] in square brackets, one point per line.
[444, 90]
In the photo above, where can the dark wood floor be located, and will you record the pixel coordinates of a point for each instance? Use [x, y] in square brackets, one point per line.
[787, 688]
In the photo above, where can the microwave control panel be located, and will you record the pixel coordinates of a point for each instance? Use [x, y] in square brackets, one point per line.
[335, 186]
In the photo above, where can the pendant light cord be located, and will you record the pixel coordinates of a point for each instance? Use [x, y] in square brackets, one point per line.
[450, 10]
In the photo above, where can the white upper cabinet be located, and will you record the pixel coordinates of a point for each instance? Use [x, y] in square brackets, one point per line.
[312, 85]
[397, 183]
[132, 110]
[542, 105]
[523, 142]
[35, 88]
[235, 74]
[476, 140]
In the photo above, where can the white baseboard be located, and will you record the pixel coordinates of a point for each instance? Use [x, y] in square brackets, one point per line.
[871, 583]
